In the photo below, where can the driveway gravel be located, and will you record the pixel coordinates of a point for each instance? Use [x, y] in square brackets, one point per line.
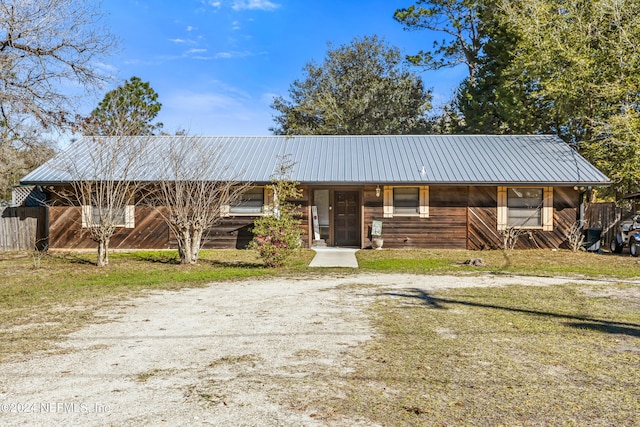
[226, 354]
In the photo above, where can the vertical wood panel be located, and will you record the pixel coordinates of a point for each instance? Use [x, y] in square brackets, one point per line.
[22, 228]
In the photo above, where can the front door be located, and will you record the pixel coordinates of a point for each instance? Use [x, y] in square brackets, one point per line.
[346, 218]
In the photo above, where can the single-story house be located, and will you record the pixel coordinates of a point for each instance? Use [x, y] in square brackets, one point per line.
[428, 191]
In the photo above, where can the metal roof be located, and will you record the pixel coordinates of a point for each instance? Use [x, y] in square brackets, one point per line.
[344, 160]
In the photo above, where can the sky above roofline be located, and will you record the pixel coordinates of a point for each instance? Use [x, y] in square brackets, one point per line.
[217, 64]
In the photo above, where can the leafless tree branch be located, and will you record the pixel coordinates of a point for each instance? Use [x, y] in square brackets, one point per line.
[189, 198]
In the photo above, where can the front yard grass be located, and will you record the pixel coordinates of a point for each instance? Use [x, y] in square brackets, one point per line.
[564, 355]
[513, 356]
[525, 262]
[38, 306]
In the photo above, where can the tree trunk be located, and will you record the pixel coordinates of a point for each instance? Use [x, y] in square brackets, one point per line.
[195, 245]
[184, 246]
[103, 252]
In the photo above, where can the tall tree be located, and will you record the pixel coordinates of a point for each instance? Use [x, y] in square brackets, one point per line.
[461, 23]
[104, 169]
[46, 47]
[545, 66]
[134, 102]
[498, 103]
[581, 60]
[360, 88]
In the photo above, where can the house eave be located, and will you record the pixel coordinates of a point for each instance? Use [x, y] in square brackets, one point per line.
[392, 183]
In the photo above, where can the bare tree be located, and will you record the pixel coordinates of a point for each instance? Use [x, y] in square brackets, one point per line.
[575, 236]
[104, 174]
[197, 188]
[510, 236]
[46, 47]
[49, 56]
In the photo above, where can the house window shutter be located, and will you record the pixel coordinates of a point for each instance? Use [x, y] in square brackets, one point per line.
[424, 202]
[268, 200]
[502, 208]
[547, 210]
[388, 202]
[86, 215]
[130, 216]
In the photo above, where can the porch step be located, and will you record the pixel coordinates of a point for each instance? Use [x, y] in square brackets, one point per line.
[334, 257]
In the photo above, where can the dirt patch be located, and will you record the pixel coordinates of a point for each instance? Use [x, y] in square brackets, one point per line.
[227, 354]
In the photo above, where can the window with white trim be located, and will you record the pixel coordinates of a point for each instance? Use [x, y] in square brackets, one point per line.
[252, 202]
[406, 201]
[92, 216]
[525, 208]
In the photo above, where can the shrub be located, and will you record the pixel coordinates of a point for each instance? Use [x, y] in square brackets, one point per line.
[277, 235]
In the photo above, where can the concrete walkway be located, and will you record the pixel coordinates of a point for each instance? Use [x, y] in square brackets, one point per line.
[334, 257]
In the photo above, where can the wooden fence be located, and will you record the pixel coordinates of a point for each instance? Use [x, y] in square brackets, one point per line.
[604, 216]
[23, 228]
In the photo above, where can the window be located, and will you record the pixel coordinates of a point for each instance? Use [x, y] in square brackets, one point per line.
[122, 217]
[406, 201]
[251, 203]
[525, 207]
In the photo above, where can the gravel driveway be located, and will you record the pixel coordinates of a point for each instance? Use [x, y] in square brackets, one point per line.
[227, 354]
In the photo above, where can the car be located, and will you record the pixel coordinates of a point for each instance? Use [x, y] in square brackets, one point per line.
[627, 233]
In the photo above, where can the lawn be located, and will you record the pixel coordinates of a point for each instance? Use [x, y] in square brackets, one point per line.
[562, 355]
[38, 306]
[523, 262]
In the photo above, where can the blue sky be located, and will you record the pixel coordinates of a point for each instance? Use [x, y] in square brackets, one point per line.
[217, 64]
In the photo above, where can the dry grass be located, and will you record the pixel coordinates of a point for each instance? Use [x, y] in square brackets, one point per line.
[565, 355]
[527, 262]
[39, 306]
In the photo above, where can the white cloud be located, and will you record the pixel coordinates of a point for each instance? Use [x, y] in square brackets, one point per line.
[233, 54]
[254, 4]
[190, 28]
[190, 51]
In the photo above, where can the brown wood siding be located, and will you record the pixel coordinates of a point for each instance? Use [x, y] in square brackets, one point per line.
[23, 228]
[151, 232]
[483, 229]
[230, 233]
[459, 218]
[483, 219]
[565, 214]
[235, 231]
[66, 232]
[372, 207]
[446, 226]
